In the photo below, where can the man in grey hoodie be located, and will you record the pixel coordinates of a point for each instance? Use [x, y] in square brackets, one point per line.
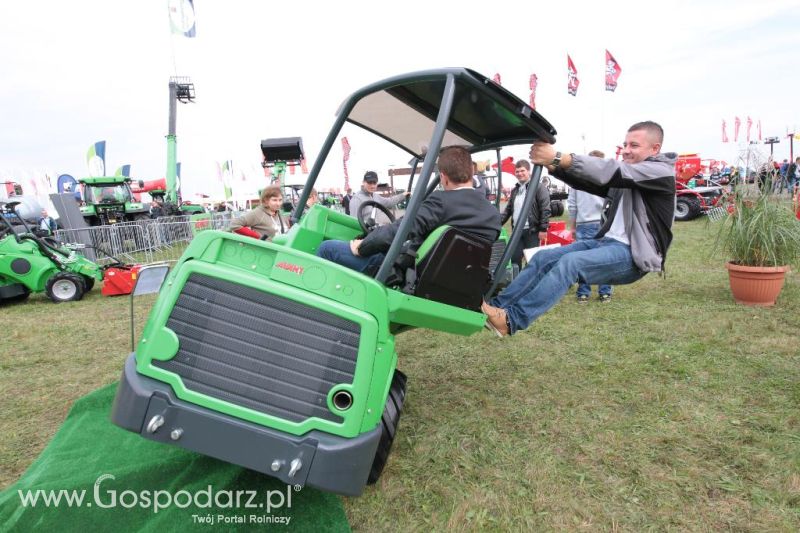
[632, 241]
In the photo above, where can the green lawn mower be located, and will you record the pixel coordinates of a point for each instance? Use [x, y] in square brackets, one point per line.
[264, 355]
[30, 263]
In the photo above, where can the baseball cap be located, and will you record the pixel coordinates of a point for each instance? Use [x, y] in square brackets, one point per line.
[371, 177]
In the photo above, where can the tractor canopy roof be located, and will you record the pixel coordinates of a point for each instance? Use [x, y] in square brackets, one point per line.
[483, 115]
[105, 180]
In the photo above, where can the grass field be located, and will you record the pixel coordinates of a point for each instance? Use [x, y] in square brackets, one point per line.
[671, 408]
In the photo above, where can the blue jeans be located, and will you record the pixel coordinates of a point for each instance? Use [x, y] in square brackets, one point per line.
[339, 252]
[551, 273]
[582, 233]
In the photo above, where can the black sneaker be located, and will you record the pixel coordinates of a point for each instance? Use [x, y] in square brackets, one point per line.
[604, 298]
[583, 299]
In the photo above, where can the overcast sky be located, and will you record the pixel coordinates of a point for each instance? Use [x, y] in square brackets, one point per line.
[78, 72]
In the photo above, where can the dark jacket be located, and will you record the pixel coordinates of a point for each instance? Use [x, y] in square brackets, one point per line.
[49, 223]
[539, 215]
[649, 191]
[790, 170]
[466, 209]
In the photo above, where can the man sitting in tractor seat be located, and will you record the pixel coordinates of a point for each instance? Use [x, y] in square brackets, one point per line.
[458, 205]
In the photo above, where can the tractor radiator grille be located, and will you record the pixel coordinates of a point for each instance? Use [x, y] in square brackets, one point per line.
[260, 350]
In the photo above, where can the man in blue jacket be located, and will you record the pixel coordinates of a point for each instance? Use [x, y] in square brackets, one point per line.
[632, 241]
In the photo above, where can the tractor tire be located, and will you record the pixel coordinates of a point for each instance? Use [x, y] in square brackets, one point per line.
[687, 208]
[65, 287]
[389, 421]
[556, 208]
[18, 298]
[88, 283]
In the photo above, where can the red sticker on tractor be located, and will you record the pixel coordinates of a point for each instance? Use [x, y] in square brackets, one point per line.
[297, 269]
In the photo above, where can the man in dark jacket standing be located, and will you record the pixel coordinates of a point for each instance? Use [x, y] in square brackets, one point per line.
[458, 205]
[793, 175]
[346, 201]
[632, 241]
[537, 219]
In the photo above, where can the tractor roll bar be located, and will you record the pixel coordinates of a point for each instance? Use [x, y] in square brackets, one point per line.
[499, 192]
[516, 235]
[427, 168]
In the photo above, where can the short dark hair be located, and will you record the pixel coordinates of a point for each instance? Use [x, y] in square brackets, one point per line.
[597, 153]
[456, 162]
[523, 163]
[650, 127]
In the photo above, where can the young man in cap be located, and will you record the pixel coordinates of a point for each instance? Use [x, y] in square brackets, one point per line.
[368, 192]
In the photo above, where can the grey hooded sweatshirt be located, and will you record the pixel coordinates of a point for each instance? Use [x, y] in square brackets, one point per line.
[648, 190]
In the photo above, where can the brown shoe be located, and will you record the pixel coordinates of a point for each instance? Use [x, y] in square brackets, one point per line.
[496, 319]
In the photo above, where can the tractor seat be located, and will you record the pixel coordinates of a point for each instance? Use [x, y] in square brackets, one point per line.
[451, 267]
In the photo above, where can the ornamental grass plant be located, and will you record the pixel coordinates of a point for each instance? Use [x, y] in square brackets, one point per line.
[760, 230]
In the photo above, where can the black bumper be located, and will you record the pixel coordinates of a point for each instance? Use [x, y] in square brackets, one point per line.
[321, 460]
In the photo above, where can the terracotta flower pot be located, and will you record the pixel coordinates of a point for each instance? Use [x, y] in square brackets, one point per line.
[757, 286]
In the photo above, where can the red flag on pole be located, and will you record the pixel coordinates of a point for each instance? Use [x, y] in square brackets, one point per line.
[613, 70]
[506, 165]
[724, 133]
[291, 169]
[496, 79]
[303, 167]
[736, 125]
[534, 82]
[345, 158]
[572, 77]
[759, 129]
[749, 124]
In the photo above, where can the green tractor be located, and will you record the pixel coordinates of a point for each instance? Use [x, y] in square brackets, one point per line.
[109, 200]
[29, 263]
[264, 355]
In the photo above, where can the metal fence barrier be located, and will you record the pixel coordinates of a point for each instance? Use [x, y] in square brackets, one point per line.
[142, 241]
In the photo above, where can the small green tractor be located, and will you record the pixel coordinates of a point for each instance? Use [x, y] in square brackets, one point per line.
[264, 355]
[109, 200]
[29, 263]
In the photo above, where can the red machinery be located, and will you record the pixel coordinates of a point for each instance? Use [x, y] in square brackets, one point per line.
[687, 166]
[557, 233]
[138, 187]
[119, 280]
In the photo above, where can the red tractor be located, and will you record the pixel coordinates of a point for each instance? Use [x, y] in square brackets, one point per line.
[696, 195]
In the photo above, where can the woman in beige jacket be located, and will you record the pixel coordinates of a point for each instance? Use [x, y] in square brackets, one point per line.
[264, 221]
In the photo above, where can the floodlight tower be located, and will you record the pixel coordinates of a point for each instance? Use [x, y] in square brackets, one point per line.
[771, 141]
[181, 89]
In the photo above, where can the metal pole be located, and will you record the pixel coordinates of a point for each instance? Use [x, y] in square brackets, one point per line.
[171, 195]
[516, 235]
[427, 168]
[323, 155]
[132, 335]
[499, 192]
[413, 172]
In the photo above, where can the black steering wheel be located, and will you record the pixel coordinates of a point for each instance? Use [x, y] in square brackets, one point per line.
[369, 224]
